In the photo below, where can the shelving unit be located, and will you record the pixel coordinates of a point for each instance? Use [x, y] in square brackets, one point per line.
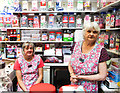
[47, 65]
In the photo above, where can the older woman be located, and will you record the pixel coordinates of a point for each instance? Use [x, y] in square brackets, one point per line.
[87, 65]
[28, 68]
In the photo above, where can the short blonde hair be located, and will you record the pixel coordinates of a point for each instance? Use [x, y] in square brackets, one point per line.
[90, 25]
[28, 44]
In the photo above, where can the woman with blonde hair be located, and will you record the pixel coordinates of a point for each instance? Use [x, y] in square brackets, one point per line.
[88, 61]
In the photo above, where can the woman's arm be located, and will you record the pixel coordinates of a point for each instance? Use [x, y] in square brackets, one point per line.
[101, 76]
[72, 74]
[20, 82]
[40, 73]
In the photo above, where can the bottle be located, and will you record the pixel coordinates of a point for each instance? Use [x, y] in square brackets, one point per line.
[14, 36]
[11, 35]
[113, 15]
[65, 20]
[18, 35]
[79, 22]
[71, 20]
[117, 21]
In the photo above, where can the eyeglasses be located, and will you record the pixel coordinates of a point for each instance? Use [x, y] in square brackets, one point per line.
[94, 32]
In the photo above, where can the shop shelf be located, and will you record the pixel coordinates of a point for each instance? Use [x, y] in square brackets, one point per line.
[113, 51]
[117, 3]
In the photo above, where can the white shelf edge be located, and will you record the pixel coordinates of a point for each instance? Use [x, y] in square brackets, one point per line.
[106, 7]
[113, 51]
[43, 28]
[52, 11]
[111, 29]
[37, 41]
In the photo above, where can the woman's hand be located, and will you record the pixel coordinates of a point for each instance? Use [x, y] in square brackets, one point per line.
[73, 78]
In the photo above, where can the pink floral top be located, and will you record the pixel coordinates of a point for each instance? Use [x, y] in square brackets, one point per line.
[86, 64]
[29, 70]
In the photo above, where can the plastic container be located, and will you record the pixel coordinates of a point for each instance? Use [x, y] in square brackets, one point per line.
[51, 36]
[58, 36]
[71, 20]
[65, 20]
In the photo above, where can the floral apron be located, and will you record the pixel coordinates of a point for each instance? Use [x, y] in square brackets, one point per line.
[29, 71]
[86, 64]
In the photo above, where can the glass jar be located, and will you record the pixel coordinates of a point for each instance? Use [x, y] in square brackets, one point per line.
[24, 20]
[51, 21]
[71, 20]
[51, 36]
[58, 36]
[43, 6]
[79, 22]
[30, 20]
[65, 20]
[87, 5]
[44, 36]
[43, 21]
